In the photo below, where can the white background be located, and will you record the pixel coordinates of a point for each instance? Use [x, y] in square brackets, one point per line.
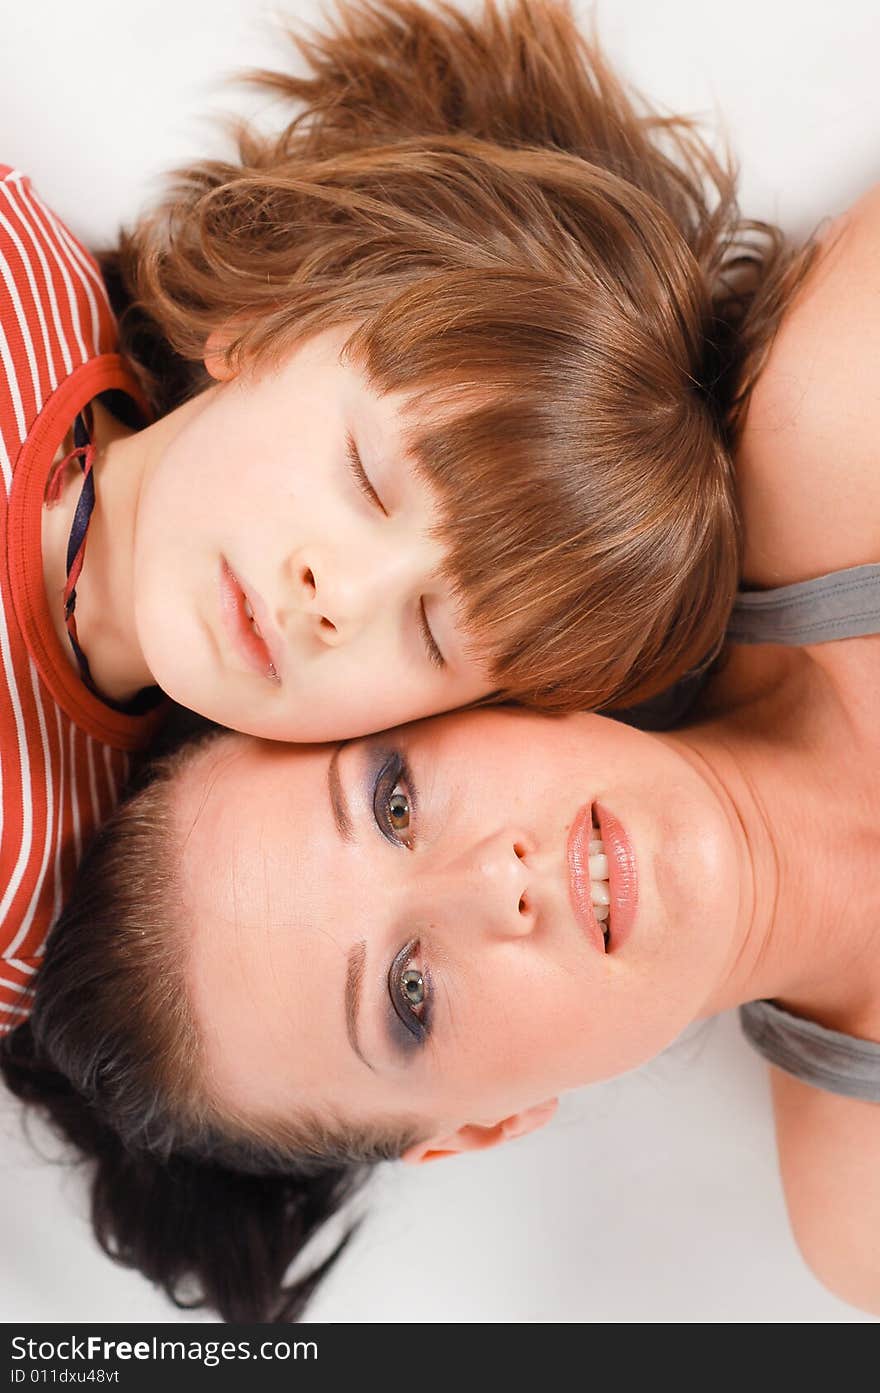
[655, 1197]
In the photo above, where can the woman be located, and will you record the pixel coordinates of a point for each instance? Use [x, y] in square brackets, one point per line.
[387, 947]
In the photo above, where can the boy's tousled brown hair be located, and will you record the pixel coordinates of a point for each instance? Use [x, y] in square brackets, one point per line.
[558, 277]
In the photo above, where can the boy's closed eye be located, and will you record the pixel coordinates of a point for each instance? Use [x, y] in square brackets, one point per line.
[434, 655]
[368, 489]
[360, 475]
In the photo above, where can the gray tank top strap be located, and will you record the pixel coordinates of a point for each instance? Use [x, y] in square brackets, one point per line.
[845, 604]
[825, 1058]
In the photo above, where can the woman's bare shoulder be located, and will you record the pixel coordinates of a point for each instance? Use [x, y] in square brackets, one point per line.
[829, 1155]
[808, 465]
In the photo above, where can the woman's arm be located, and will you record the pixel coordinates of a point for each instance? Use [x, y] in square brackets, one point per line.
[829, 1156]
[809, 461]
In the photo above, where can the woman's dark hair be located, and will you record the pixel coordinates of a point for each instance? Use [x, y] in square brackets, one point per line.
[208, 1234]
[212, 1206]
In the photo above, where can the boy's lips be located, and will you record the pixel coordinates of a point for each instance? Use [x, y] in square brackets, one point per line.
[250, 636]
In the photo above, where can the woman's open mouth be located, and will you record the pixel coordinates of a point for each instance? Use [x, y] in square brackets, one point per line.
[601, 876]
[240, 623]
[588, 877]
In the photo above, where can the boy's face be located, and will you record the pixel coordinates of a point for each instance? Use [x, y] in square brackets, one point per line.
[281, 591]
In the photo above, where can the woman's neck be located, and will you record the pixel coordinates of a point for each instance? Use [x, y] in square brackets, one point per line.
[794, 764]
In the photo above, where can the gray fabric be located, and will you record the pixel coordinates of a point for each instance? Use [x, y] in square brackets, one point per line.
[845, 604]
[824, 1058]
[667, 710]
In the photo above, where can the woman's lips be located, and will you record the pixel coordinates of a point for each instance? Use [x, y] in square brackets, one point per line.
[622, 880]
[253, 647]
[622, 877]
[579, 886]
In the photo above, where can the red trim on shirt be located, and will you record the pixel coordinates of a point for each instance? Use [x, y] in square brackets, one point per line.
[63, 754]
[26, 556]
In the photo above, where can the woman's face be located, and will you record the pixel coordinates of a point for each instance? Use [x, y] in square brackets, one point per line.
[396, 926]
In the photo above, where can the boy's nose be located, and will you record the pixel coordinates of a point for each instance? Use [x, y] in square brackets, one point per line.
[342, 593]
[335, 596]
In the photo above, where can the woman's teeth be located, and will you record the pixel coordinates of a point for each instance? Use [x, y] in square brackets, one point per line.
[250, 615]
[600, 891]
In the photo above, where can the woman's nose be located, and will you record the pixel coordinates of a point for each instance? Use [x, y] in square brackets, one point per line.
[497, 885]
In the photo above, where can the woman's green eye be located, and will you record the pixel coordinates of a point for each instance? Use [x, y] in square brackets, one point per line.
[412, 984]
[409, 987]
[398, 810]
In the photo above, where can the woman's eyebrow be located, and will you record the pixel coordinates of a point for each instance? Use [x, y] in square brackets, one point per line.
[353, 980]
[338, 802]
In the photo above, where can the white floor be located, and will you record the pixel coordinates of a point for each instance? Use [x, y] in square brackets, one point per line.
[651, 1199]
[655, 1198]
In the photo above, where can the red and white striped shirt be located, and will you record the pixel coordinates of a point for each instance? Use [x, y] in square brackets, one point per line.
[63, 752]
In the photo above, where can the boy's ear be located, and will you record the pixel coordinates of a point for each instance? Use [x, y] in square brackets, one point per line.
[215, 357]
[476, 1137]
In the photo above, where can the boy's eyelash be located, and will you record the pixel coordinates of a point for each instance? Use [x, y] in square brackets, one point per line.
[434, 654]
[361, 478]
